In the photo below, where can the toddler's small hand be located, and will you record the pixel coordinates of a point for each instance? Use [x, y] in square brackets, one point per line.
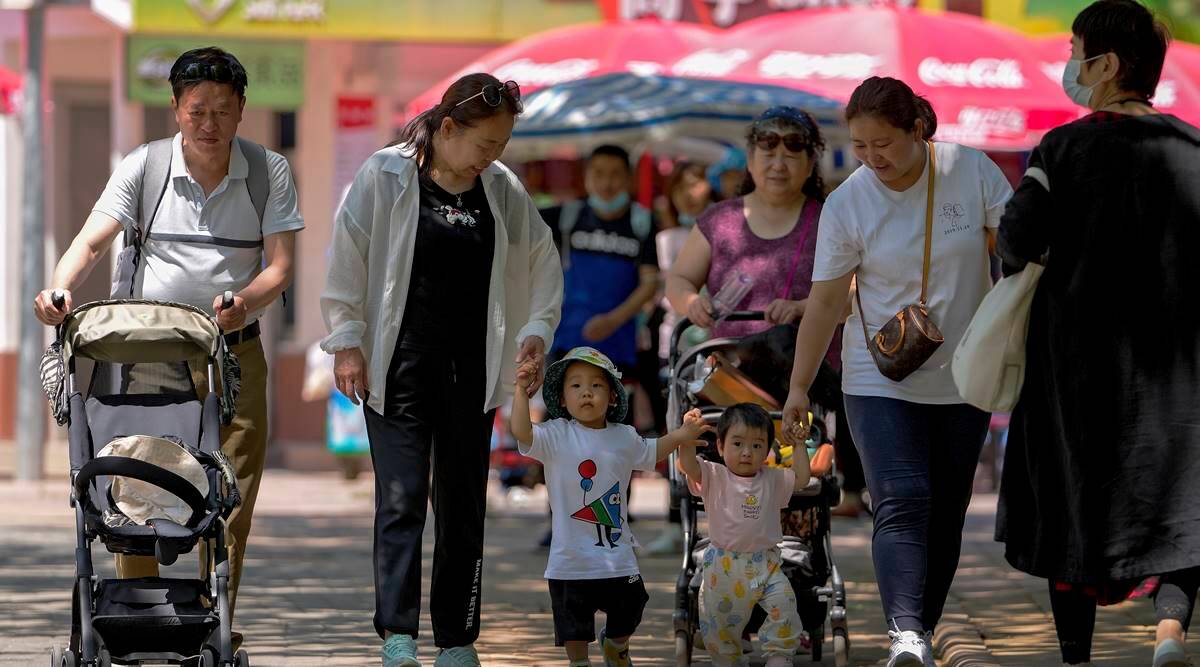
[693, 421]
[525, 374]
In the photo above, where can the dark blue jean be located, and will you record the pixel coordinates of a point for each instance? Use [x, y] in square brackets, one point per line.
[920, 465]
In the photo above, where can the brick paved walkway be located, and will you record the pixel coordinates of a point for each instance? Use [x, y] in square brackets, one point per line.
[307, 595]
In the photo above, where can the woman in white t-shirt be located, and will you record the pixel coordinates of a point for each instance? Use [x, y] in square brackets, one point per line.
[919, 442]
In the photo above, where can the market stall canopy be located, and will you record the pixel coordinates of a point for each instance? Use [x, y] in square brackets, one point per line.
[984, 81]
[577, 52]
[633, 109]
[1178, 90]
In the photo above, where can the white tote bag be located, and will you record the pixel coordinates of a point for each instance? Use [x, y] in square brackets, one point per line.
[989, 362]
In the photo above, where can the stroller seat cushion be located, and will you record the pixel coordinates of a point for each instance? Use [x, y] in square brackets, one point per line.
[142, 501]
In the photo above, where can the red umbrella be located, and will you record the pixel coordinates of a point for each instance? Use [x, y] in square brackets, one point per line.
[10, 83]
[1178, 91]
[644, 46]
[983, 80]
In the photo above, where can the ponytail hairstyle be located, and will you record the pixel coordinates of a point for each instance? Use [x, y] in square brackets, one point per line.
[786, 120]
[463, 104]
[893, 101]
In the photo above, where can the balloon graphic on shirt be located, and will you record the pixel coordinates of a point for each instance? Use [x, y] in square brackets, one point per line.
[587, 470]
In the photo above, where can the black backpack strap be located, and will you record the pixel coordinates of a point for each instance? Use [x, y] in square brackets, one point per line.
[258, 179]
[155, 179]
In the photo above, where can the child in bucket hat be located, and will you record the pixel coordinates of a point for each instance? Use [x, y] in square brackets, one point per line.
[589, 457]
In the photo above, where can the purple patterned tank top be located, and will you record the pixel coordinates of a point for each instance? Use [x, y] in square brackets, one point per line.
[735, 247]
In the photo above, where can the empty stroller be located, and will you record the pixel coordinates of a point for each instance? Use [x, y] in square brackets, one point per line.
[147, 478]
[707, 377]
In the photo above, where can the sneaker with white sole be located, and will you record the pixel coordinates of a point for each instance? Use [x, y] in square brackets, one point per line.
[908, 649]
[458, 656]
[400, 651]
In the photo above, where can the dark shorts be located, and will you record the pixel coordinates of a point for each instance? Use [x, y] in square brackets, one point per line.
[576, 601]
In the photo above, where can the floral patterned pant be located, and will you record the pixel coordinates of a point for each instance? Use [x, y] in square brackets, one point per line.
[733, 583]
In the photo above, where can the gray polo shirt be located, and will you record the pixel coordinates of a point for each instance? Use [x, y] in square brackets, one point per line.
[201, 246]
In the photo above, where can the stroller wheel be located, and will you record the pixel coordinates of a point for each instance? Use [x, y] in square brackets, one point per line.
[841, 648]
[683, 649]
[63, 658]
[103, 659]
[209, 657]
[242, 659]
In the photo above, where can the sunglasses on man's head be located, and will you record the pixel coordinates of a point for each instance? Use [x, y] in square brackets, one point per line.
[216, 72]
[794, 142]
[493, 95]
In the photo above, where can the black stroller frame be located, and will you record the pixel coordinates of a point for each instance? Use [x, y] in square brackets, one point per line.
[148, 619]
[819, 595]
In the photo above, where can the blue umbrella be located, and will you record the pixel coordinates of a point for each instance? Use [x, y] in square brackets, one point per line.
[627, 108]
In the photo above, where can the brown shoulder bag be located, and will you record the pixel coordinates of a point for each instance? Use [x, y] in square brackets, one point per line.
[908, 339]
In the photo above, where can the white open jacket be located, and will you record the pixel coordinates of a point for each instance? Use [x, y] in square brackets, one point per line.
[371, 261]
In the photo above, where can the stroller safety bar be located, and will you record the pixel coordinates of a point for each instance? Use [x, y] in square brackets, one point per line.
[123, 466]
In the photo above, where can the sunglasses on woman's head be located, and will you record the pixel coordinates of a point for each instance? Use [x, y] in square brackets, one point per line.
[493, 95]
[794, 142]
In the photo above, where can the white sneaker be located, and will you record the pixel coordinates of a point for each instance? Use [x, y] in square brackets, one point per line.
[908, 649]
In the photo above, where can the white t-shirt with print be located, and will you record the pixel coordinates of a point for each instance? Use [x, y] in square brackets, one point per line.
[587, 474]
[881, 233]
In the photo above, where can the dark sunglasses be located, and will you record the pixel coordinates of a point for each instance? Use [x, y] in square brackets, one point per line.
[794, 142]
[493, 95]
[215, 72]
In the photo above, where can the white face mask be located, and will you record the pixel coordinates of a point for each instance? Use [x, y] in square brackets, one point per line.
[1079, 93]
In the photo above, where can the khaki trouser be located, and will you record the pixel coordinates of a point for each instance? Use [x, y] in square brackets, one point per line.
[245, 443]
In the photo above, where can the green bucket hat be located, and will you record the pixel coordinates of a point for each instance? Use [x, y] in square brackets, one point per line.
[552, 389]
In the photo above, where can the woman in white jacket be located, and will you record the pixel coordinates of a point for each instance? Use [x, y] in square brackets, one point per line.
[443, 277]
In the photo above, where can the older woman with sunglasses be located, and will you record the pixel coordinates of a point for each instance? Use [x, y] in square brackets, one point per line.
[767, 235]
[443, 278]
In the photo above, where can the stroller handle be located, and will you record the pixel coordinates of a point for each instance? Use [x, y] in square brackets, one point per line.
[227, 300]
[684, 323]
[58, 299]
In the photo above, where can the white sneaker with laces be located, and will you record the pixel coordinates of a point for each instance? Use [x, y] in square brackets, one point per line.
[908, 649]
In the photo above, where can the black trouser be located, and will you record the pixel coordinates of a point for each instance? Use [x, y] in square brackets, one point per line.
[432, 405]
[920, 462]
[1075, 612]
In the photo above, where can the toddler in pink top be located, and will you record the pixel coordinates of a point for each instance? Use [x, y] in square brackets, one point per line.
[742, 499]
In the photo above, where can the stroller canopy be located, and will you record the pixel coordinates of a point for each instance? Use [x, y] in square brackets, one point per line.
[125, 332]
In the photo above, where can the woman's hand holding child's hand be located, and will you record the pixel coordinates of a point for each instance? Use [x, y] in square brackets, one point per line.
[527, 374]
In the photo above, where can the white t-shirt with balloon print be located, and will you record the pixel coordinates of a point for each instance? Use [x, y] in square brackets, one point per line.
[587, 474]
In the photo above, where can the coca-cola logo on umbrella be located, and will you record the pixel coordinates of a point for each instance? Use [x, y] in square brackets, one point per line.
[979, 73]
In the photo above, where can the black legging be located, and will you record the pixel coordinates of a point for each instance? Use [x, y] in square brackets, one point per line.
[1075, 612]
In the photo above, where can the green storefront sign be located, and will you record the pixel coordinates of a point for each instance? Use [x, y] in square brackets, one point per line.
[362, 20]
[1182, 16]
[275, 69]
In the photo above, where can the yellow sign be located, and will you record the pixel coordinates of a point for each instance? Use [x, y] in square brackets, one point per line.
[366, 20]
